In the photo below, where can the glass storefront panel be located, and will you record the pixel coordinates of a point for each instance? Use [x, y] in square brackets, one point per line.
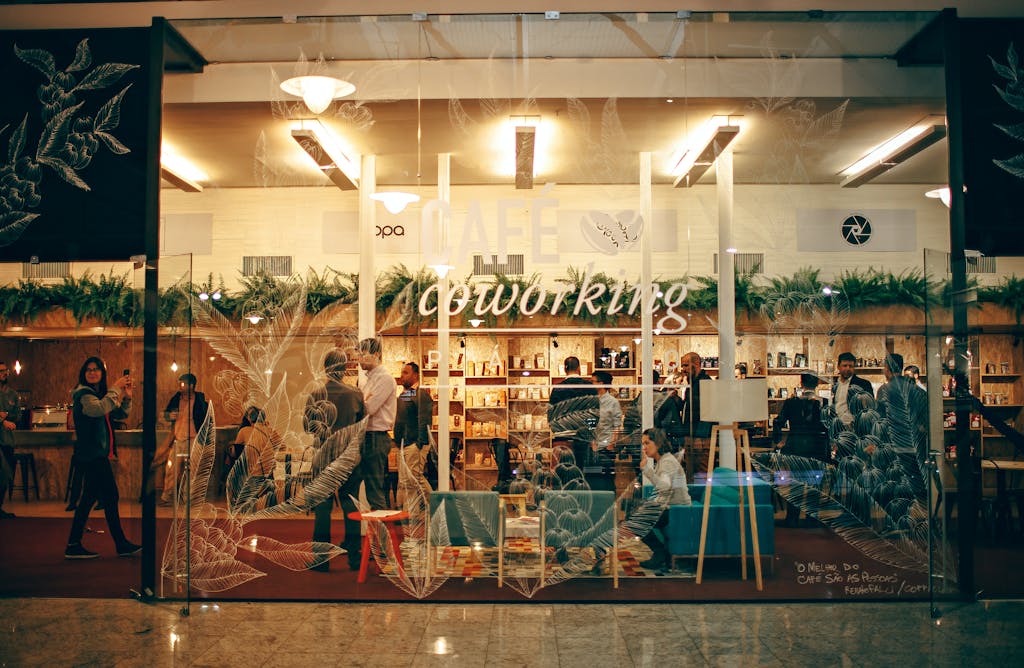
[574, 188]
[554, 177]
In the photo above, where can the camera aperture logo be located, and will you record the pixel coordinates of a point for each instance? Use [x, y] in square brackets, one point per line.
[612, 234]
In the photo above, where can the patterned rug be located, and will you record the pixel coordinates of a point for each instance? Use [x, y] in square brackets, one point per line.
[522, 560]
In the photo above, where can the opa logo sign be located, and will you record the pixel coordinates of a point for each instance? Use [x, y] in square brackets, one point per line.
[384, 231]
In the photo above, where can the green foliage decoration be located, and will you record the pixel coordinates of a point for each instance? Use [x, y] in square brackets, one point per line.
[113, 299]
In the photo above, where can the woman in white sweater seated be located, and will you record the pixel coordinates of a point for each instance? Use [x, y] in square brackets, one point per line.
[665, 472]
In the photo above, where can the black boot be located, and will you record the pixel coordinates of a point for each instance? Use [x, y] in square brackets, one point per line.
[658, 552]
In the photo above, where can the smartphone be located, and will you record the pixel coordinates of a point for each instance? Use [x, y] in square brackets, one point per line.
[126, 372]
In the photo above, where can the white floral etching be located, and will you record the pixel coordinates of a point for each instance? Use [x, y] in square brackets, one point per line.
[73, 131]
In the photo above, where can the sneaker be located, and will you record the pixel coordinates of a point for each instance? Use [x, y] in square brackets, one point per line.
[76, 551]
[4, 515]
[128, 550]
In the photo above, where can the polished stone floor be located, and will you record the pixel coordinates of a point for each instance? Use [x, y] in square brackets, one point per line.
[90, 632]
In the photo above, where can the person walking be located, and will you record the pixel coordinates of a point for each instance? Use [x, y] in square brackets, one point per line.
[94, 405]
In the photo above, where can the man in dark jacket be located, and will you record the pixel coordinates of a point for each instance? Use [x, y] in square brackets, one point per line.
[843, 385]
[412, 429]
[334, 406]
[580, 419]
[185, 411]
[696, 431]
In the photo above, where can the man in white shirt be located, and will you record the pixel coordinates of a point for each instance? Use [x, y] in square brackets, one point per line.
[610, 417]
[381, 402]
[841, 387]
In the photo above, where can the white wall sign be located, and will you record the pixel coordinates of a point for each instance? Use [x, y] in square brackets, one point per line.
[874, 230]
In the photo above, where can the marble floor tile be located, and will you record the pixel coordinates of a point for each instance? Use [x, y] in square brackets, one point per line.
[127, 634]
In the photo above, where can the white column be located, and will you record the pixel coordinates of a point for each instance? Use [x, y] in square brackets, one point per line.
[443, 378]
[646, 318]
[367, 231]
[726, 296]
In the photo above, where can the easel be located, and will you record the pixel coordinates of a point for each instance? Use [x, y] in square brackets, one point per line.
[743, 467]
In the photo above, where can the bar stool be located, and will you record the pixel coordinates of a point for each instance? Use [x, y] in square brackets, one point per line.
[390, 522]
[26, 460]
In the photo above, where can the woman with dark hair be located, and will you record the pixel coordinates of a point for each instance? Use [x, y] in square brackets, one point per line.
[664, 471]
[250, 461]
[94, 405]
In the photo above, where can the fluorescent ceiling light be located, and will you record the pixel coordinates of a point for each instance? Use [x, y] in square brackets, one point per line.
[703, 148]
[317, 91]
[179, 172]
[892, 152]
[395, 201]
[325, 148]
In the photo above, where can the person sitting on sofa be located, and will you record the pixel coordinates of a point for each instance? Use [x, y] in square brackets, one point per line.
[665, 472]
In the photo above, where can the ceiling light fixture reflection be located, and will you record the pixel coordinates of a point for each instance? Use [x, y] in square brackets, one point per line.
[941, 194]
[179, 172]
[893, 151]
[703, 148]
[395, 201]
[254, 318]
[317, 91]
[325, 148]
[525, 147]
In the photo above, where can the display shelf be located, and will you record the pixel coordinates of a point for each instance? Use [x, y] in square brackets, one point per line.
[999, 377]
[788, 371]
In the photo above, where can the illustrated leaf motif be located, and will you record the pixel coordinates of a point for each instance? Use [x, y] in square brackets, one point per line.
[1016, 131]
[826, 126]
[55, 135]
[64, 171]
[221, 575]
[40, 59]
[201, 459]
[109, 115]
[13, 224]
[809, 489]
[104, 75]
[112, 143]
[333, 463]
[1015, 100]
[1011, 57]
[578, 414]
[1002, 70]
[17, 141]
[83, 58]
[458, 116]
[1014, 165]
[295, 557]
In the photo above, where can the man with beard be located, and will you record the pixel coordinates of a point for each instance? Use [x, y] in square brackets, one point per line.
[412, 429]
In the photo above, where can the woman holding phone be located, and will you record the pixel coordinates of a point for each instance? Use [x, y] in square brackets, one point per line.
[94, 406]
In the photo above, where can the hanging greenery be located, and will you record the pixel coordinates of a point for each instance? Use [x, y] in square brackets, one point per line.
[112, 299]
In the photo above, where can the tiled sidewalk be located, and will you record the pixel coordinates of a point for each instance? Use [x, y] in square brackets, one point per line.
[90, 632]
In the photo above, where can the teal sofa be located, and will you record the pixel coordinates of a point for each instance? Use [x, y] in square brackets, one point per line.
[682, 535]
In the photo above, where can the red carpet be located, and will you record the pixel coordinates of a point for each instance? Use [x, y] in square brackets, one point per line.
[810, 564]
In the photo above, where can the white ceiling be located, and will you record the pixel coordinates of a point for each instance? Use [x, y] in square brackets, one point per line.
[814, 94]
[816, 90]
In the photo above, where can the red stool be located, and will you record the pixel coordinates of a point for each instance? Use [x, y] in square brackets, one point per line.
[391, 522]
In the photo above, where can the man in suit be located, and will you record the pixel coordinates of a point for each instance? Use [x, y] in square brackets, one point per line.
[697, 432]
[842, 386]
[331, 407]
